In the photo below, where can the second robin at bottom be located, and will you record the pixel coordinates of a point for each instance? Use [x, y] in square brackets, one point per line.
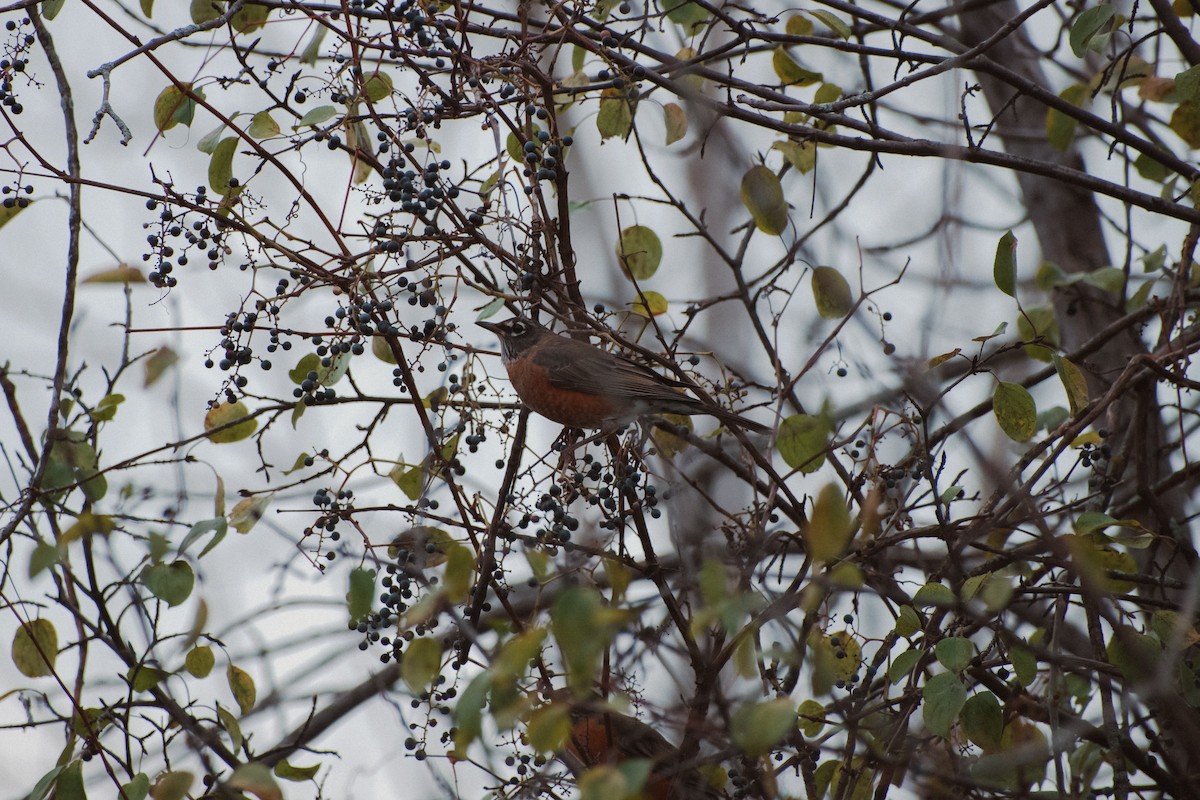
[601, 736]
[579, 385]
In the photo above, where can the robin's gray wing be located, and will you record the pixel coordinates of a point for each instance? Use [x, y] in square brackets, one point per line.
[572, 364]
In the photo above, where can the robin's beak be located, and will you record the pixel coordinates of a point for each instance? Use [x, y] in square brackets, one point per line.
[490, 326]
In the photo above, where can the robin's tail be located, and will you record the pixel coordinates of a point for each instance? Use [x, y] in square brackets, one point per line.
[737, 420]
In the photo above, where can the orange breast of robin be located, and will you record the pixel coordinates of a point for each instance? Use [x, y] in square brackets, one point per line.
[597, 740]
[565, 406]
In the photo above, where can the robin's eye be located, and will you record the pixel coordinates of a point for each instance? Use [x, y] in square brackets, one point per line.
[519, 328]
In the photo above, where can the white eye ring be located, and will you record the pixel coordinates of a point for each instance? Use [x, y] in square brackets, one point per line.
[519, 328]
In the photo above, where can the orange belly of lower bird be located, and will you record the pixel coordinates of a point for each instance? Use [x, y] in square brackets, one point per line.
[593, 742]
[564, 406]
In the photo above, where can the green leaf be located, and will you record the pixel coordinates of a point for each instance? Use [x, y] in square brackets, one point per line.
[954, 653]
[138, 788]
[831, 293]
[410, 480]
[421, 663]
[908, 621]
[903, 664]
[158, 363]
[88, 524]
[650, 304]
[639, 252]
[676, 122]
[248, 511]
[1004, 269]
[615, 118]
[1134, 653]
[803, 440]
[220, 165]
[758, 727]
[50, 8]
[1089, 23]
[147, 8]
[1073, 381]
[200, 661]
[35, 648]
[171, 103]
[263, 125]
[801, 155]
[44, 556]
[243, 688]
[582, 627]
[548, 728]
[361, 594]
[205, 10]
[172, 786]
[288, 772]
[762, 195]
[799, 25]
[934, 595]
[312, 50]
[1060, 127]
[209, 141]
[7, 214]
[69, 785]
[468, 713]
[217, 526]
[227, 413]
[1098, 521]
[256, 779]
[1039, 324]
[378, 87]
[232, 727]
[1150, 169]
[459, 573]
[791, 73]
[1139, 298]
[1185, 121]
[942, 698]
[1024, 663]
[315, 116]
[690, 16]
[828, 531]
[1015, 411]
[42, 787]
[250, 17]
[983, 721]
[171, 583]
[143, 678]
[831, 21]
[1187, 85]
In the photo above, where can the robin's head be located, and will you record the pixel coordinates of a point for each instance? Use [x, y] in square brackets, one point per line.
[516, 335]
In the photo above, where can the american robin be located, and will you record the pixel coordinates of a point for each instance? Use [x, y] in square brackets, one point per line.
[579, 385]
[602, 736]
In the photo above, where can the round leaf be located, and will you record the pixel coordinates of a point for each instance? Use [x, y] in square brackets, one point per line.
[1015, 411]
[616, 115]
[35, 648]
[199, 661]
[954, 653]
[639, 252]
[758, 727]
[243, 688]
[227, 413]
[762, 195]
[651, 304]
[942, 698]
[803, 440]
[831, 293]
[171, 583]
